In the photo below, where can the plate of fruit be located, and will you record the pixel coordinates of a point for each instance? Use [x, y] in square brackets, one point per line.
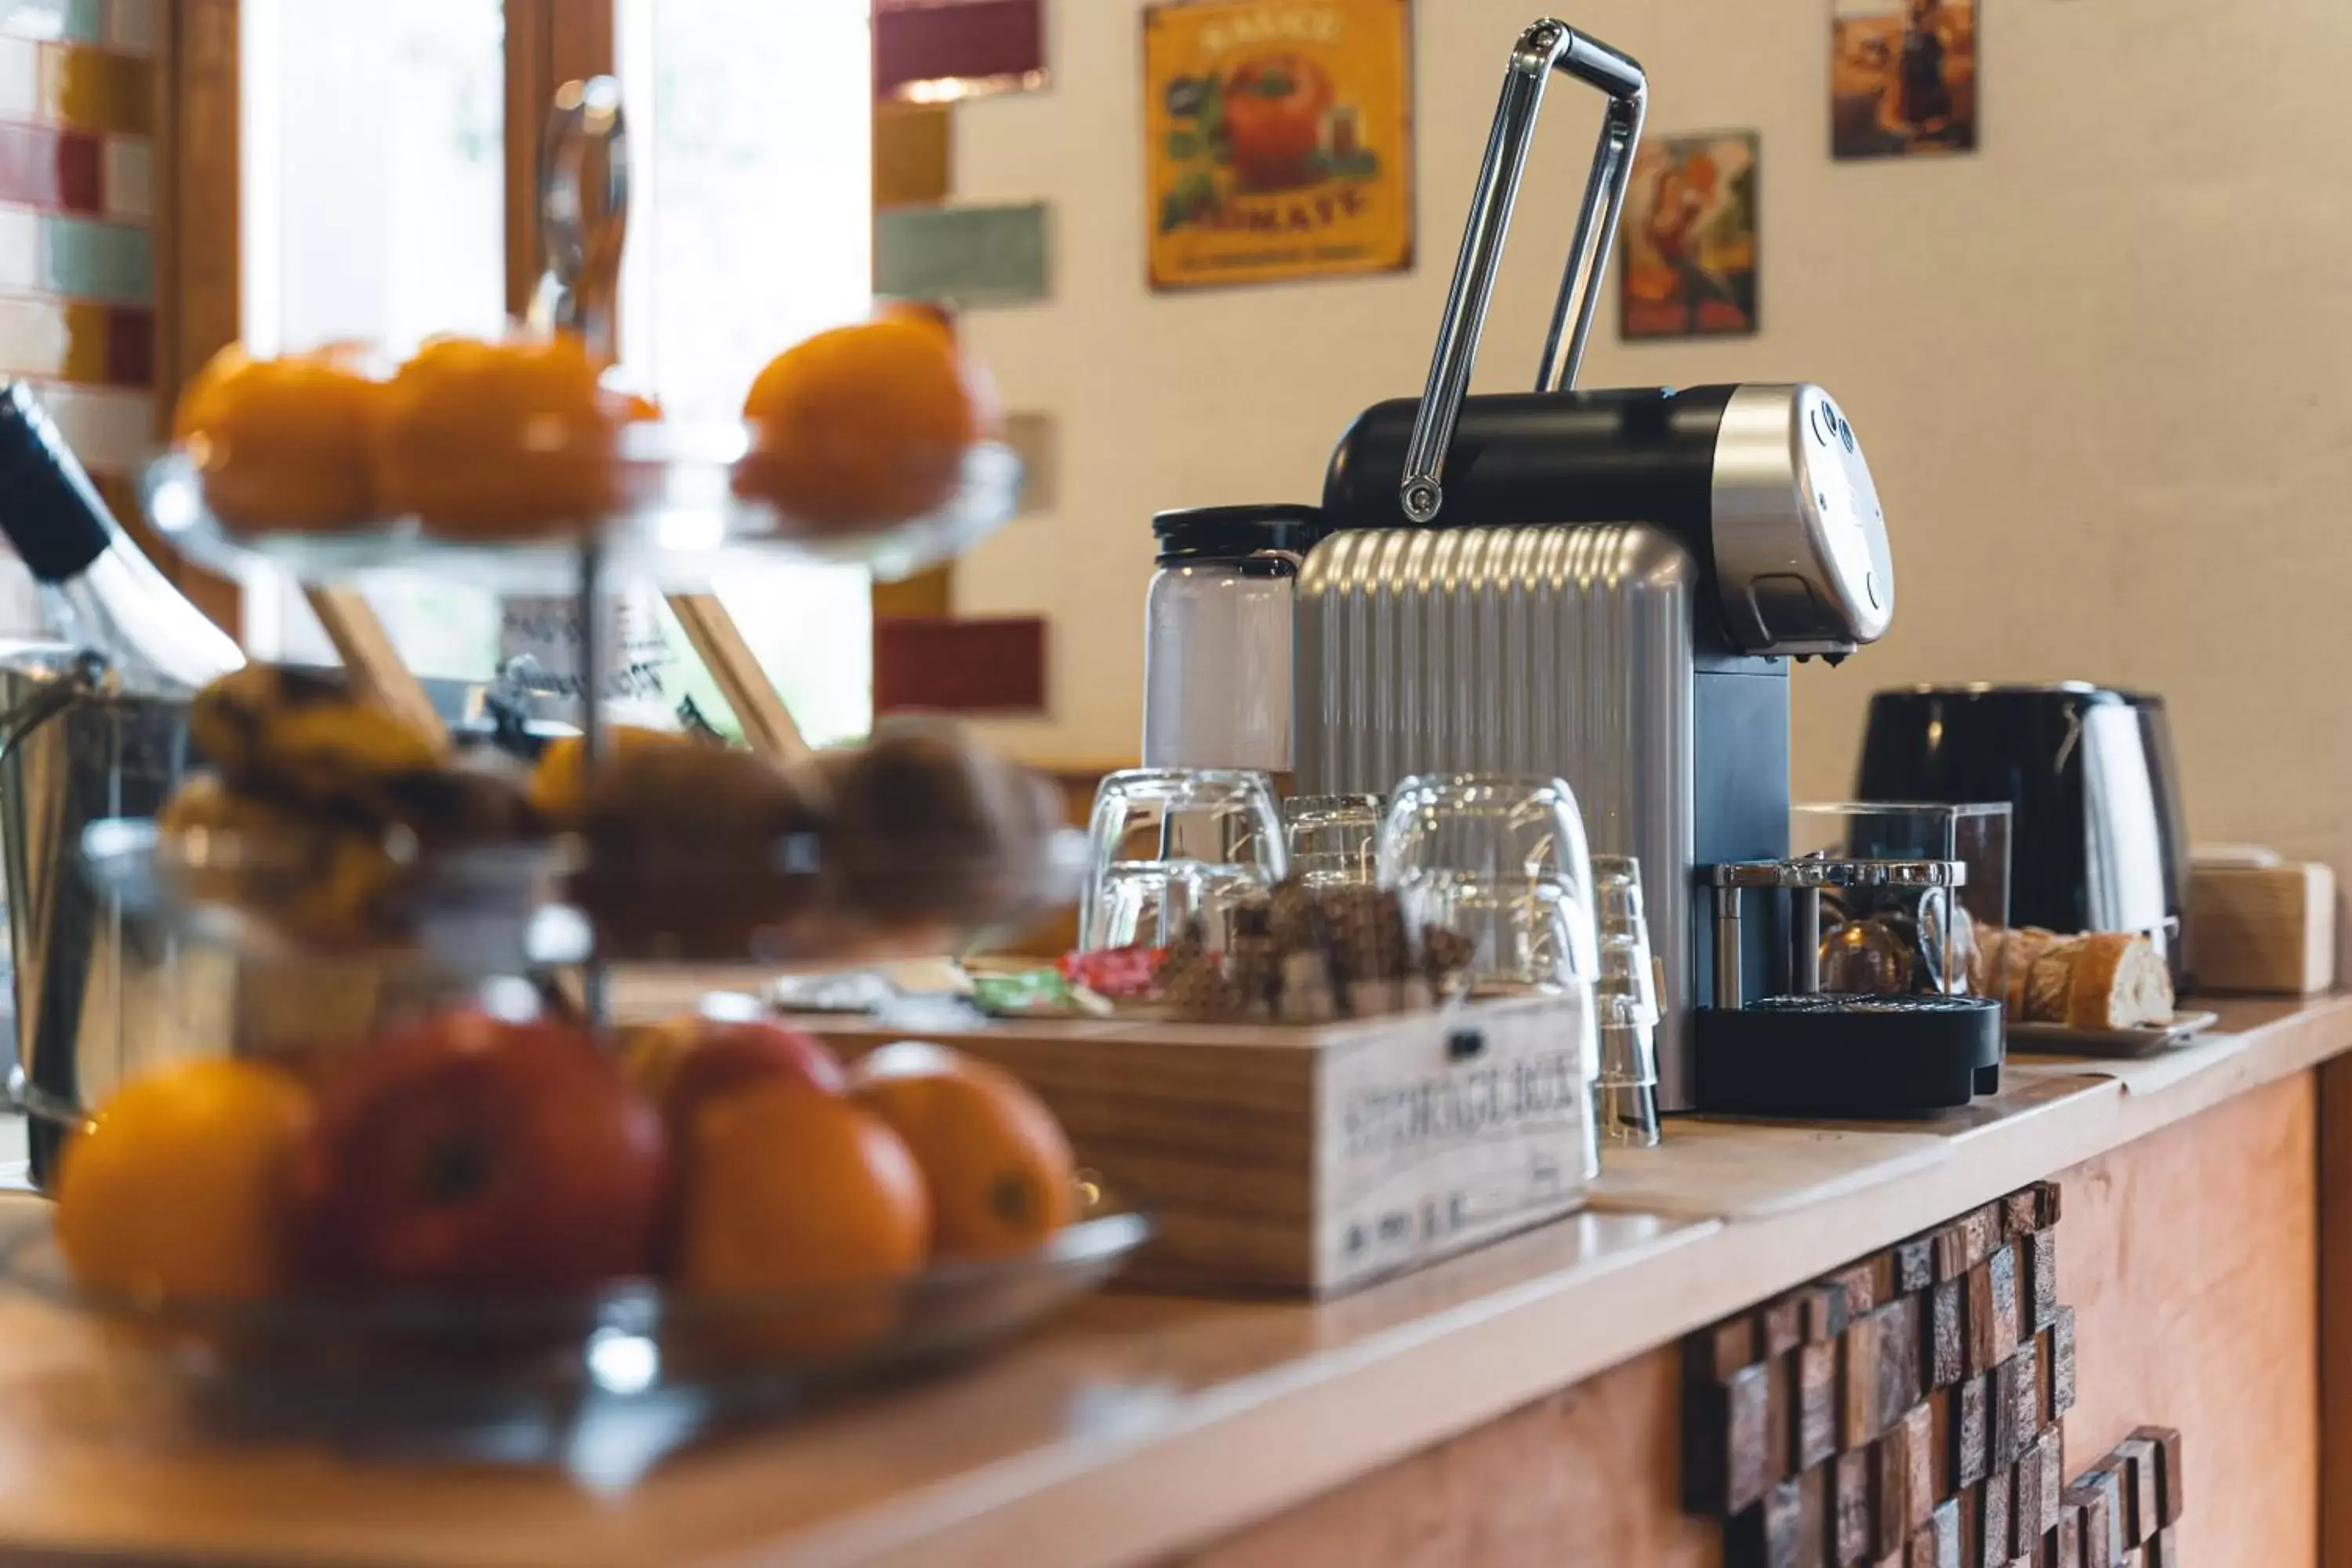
[876, 443]
[469, 1207]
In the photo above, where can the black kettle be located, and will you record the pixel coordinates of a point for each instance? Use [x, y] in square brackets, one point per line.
[2098, 839]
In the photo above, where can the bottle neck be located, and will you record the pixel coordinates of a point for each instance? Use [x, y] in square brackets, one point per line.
[120, 606]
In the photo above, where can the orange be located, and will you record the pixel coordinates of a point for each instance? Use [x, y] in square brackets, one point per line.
[634, 408]
[505, 440]
[862, 427]
[995, 1161]
[558, 783]
[171, 1190]
[923, 312]
[650, 1052]
[281, 444]
[790, 1194]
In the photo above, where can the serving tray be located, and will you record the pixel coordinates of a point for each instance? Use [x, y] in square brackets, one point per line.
[2059, 1040]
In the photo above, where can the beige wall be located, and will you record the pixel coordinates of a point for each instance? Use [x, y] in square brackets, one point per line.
[2101, 367]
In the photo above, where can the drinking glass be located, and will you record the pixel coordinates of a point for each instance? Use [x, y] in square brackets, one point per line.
[1502, 861]
[1508, 853]
[1334, 839]
[1627, 998]
[1169, 847]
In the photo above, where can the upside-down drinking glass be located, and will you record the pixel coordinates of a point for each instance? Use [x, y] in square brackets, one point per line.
[1506, 856]
[1169, 846]
[1335, 839]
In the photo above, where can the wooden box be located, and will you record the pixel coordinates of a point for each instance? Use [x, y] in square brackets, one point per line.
[1310, 1160]
[2263, 929]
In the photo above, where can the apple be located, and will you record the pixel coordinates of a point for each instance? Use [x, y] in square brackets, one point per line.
[732, 1056]
[460, 1153]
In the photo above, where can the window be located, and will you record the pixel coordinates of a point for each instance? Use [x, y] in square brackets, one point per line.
[375, 209]
[752, 227]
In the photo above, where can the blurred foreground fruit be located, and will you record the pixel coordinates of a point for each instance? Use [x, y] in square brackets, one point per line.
[729, 1058]
[283, 443]
[461, 1155]
[559, 782]
[793, 1193]
[995, 1164]
[502, 440]
[174, 1189]
[862, 427]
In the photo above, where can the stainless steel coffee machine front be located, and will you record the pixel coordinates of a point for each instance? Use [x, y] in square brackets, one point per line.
[1604, 586]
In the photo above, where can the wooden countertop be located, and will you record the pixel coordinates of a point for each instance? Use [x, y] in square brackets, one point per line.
[1138, 1425]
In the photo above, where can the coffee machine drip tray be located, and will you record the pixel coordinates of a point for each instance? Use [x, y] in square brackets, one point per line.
[1853, 1056]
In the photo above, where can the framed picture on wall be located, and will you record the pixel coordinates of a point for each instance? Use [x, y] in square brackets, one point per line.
[1903, 77]
[1686, 265]
[1277, 140]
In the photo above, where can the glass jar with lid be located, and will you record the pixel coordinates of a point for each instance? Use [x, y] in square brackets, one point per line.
[1217, 635]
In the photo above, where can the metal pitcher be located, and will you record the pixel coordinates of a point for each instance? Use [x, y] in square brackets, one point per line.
[97, 990]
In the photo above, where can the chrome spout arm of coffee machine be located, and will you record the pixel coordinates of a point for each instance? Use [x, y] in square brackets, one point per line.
[1544, 48]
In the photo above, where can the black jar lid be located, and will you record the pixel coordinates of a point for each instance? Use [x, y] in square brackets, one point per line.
[1230, 532]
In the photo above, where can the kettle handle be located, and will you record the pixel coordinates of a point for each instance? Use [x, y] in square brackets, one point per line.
[1546, 46]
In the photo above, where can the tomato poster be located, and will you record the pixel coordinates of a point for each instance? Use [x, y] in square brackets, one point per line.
[1278, 140]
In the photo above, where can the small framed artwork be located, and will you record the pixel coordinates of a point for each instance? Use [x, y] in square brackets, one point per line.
[1903, 77]
[1686, 265]
[1277, 140]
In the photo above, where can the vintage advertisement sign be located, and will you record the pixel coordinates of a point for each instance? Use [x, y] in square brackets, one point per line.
[1903, 77]
[1688, 242]
[1277, 140]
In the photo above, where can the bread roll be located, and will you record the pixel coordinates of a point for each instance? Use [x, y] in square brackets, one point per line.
[2119, 982]
[2019, 949]
[2050, 981]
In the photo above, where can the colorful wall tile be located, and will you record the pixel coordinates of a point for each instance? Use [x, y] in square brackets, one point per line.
[112, 429]
[127, 177]
[20, 249]
[135, 27]
[933, 50]
[914, 154]
[102, 260]
[968, 256]
[95, 89]
[46, 167]
[992, 665]
[78, 99]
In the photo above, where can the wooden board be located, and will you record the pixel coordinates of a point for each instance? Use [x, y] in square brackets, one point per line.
[2190, 1262]
[2335, 1095]
[2190, 1253]
[1585, 1476]
[718, 641]
[1312, 1160]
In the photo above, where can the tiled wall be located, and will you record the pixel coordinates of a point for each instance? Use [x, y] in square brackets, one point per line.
[78, 99]
[926, 657]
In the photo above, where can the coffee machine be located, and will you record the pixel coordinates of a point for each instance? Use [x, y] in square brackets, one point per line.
[1607, 587]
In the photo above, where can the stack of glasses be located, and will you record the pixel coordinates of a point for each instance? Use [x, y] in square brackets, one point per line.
[1627, 999]
[1173, 850]
[1190, 861]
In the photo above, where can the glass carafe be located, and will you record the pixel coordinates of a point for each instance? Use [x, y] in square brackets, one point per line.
[1217, 635]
